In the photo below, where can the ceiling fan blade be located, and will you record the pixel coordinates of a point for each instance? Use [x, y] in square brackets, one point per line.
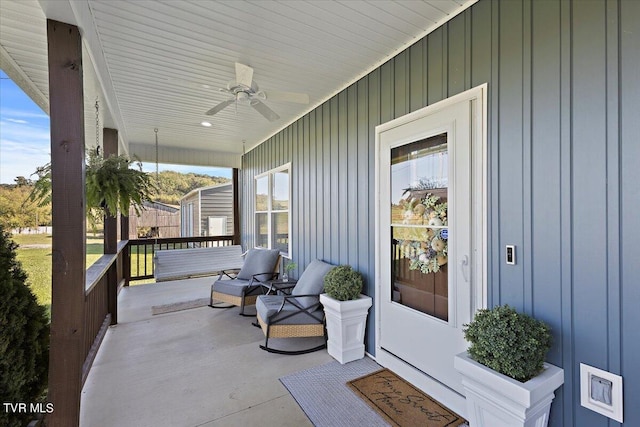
[244, 74]
[300, 98]
[219, 107]
[262, 108]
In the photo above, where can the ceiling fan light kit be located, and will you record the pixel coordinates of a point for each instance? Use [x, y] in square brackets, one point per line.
[245, 90]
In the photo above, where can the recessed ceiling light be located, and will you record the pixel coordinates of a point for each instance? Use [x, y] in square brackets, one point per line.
[206, 124]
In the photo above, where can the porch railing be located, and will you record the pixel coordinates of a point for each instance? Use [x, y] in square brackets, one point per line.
[101, 288]
[141, 251]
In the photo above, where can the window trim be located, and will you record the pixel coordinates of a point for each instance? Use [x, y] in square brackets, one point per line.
[270, 174]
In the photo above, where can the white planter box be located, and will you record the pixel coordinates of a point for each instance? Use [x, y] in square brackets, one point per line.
[495, 400]
[346, 323]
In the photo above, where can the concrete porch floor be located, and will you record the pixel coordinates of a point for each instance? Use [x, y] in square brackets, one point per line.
[197, 367]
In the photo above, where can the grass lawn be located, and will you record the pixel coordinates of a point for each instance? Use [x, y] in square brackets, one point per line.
[32, 239]
[37, 264]
[36, 261]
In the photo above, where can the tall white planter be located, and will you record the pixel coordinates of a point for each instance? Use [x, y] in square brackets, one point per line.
[495, 400]
[346, 323]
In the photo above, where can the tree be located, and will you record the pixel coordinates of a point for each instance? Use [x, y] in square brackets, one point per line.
[14, 213]
[172, 186]
[17, 211]
[21, 181]
[24, 337]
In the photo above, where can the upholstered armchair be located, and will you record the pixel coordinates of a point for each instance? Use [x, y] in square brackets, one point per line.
[242, 288]
[299, 314]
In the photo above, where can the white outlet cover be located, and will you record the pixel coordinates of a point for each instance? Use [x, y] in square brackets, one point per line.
[613, 411]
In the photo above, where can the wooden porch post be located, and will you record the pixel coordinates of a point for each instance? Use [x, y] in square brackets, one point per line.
[236, 207]
[124, 226]
[110, 147]
[69, 223]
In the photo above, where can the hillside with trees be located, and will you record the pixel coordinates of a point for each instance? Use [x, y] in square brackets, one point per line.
[172, 186]
[16, 212]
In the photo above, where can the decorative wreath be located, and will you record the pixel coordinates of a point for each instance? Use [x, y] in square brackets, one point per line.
[426, 248]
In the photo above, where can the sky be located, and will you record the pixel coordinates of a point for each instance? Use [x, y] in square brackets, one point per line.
[25, 138]
[24, 133]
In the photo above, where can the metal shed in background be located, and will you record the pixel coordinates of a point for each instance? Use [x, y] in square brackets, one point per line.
[207, 211]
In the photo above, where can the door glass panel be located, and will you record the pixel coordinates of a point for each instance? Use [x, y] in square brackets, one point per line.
[419, 226]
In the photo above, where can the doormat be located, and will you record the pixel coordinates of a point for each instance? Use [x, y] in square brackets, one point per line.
[178, 306]
[400, 403]
[323, 394]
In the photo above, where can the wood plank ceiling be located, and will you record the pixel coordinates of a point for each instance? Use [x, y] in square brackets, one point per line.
[166, 60]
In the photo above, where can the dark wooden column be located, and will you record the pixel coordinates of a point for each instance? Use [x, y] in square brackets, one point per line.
[124, 226]
[126, 256]
[236, 207]
[110, 147]
[69, 223]
[110, 143]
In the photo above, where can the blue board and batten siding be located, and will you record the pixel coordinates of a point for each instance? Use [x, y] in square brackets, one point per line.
[564, 171]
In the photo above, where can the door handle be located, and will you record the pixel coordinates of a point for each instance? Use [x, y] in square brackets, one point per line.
[464, 268]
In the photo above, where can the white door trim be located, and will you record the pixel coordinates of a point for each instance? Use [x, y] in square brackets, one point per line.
[436, 389]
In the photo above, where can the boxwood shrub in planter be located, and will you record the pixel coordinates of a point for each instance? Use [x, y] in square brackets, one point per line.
[346, 312]
[509, 342]
[507, 382]
[343, 283]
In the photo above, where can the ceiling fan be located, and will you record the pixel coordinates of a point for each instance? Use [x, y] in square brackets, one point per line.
[245, 90]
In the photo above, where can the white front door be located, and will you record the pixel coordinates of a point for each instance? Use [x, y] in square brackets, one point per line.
[430, 240]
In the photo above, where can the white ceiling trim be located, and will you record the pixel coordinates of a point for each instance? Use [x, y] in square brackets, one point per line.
[180, 156]
[58, 10]
[91, 40]
[79, 14]
[467, 4]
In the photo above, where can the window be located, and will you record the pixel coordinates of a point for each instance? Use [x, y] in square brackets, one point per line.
[273, 190]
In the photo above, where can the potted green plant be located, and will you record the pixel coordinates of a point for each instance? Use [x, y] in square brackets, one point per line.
[507, 382]
[346, 312]
[111, 185]
[288, 268]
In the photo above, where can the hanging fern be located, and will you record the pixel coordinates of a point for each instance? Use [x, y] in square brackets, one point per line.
[112, 185]
[41, 193]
